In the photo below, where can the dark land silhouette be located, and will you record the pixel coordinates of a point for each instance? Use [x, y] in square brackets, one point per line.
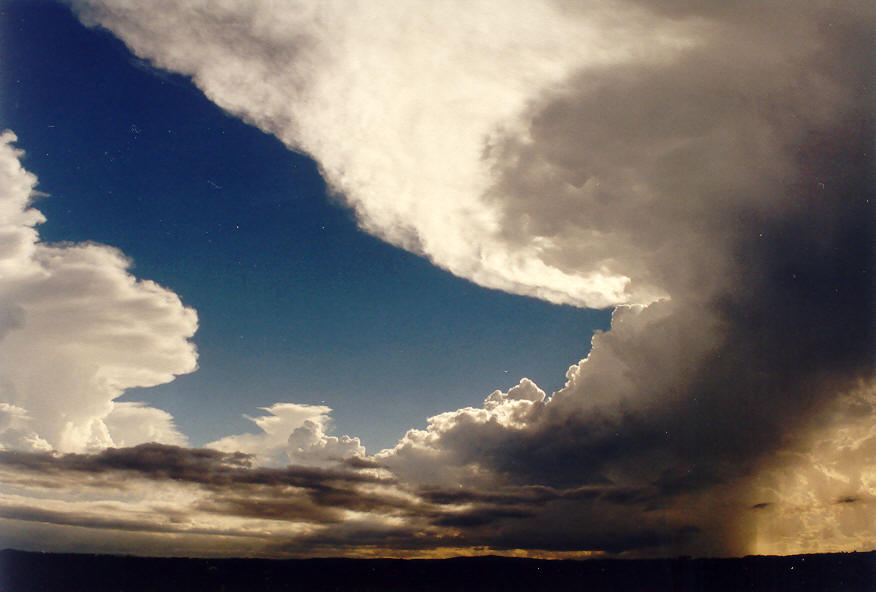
[837, 572]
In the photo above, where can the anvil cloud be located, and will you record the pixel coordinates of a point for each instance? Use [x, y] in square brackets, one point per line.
[706, 168]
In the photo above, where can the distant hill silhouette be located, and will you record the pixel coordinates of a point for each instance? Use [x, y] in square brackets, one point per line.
[839, 572]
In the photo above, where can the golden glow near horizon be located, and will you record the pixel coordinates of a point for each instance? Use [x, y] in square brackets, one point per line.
[681, 164]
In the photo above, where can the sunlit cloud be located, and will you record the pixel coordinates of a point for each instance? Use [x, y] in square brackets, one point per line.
[77, 331]
[708, 177]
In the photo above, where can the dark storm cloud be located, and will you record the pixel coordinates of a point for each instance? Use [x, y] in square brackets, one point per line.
[480, 517]
[716, 178]
[193, 465]
[230, 485]
[93, 520]
[270, 505]
[358, 462]
[159, 461]
[508, 496]
[739, 179]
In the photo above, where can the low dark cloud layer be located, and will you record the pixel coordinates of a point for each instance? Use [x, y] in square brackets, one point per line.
[200, 466]
[711, 173]
[218, 484]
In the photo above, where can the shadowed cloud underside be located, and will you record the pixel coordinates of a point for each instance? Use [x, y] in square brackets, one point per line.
[708, 177]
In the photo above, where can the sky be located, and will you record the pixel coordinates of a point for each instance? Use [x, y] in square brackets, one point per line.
[551, 279]
[320, 312]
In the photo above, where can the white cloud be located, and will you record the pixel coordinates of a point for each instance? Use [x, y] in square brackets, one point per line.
[401, 107]
[454, 447]
[290, 431]
[308, 444]
[15, 431]
[682, 158]
[132, 423]
[77, 330]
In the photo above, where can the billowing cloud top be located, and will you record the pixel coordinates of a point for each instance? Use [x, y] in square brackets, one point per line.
[77, 330]
[706, 167]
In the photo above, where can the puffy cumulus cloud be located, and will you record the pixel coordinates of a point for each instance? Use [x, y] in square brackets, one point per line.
[308, 444]
[456, 445]
[76, 330]
[526, 390]
[704, 165]
[129, 424]
[293, 432]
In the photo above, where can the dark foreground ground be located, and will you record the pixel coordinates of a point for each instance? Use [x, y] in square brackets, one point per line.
[22, 571]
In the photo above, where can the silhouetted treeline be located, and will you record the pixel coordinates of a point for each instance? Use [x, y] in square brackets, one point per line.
[840, 572]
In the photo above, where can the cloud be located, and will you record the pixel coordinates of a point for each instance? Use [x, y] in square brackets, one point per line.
[292, 431]
[133, 423]
[167, 462]
[308, 444]
[684, 161]
[740, 184]
[822, 496]
[76, 331]
[400, 107]
[191, 493]
[15, 429]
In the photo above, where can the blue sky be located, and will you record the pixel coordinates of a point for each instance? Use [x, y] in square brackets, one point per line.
[294, 302]
[369, 278]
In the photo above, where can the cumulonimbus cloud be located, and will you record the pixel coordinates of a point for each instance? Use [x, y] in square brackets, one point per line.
[741, 184]
[77, 330]
[684, 161]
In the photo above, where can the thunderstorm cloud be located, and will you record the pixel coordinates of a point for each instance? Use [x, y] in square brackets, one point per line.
[706, 168]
